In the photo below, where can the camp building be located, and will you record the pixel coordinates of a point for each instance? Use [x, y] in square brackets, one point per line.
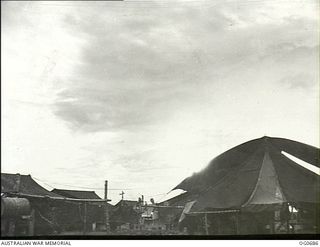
[254, 188]
[28, 209]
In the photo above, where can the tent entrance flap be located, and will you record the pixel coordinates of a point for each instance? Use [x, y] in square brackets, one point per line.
[267, 191]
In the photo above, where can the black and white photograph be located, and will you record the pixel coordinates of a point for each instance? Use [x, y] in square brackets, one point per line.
[160, 119]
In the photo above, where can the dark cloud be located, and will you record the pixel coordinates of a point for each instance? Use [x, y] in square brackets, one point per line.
[140, 65]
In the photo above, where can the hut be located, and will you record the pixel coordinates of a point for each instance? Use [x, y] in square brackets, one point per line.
[22, 213]
[28, 209]
[96, 211]
[125, 216]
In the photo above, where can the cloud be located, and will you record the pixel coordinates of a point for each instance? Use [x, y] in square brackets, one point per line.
[132, 65]
[300, 81]
[148, 91]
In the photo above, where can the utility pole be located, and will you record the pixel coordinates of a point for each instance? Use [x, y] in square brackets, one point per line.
[106, 206]
[122, 194]
[106, 189]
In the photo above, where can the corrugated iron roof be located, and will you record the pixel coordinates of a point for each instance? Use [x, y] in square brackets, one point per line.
[17, 183]
[78, 194]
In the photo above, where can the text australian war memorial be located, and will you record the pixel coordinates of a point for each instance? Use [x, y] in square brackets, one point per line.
[256, 188]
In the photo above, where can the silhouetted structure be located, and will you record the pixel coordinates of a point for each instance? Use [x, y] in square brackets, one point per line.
[29, 209]
[250, 188]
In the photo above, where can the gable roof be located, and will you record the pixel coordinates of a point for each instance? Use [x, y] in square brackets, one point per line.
[255, 173]
[17, 183]
[78, 194]
[127, 203]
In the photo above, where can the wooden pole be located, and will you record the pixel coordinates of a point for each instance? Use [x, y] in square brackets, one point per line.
[84, 218]
[272, 225]
[291, 215]
[206, 224]
[107, 217]
[287, 218]
[106, 189]
[106, 209]
[237, 223]
[31, 223]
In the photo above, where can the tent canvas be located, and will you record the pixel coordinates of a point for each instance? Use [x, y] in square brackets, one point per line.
[254, 176]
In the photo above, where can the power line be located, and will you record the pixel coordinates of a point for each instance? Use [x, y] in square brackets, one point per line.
[79, 187]
[95, 188]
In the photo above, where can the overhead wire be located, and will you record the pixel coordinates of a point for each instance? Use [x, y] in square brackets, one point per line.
[79, 187]
[95, 188]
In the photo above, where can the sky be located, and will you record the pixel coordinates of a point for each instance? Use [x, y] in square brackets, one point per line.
[145, 93]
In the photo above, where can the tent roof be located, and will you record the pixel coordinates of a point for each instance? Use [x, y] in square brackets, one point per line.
[16, 183]
[78, 194]
[127, 203]
[255, 173]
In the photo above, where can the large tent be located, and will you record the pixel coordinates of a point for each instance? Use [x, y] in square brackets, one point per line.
[255, 176]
